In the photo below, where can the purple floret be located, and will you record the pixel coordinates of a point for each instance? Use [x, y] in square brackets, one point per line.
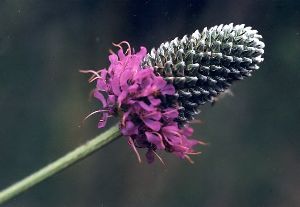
[135, 94]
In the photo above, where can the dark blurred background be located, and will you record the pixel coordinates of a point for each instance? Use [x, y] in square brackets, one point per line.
[253, 159]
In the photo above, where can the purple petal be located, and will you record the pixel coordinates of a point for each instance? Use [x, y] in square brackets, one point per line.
[129, 129]
[155, 139]
[103, 74]
[133, 88]
[172, 135]
[142, 52]
[101, 82]
[101, 85]
[144, 77]
[111, 100]
[170, 113]
[155, 115]
[168, 89]
[113, 58]
[191, 142]
[154, 125]
[121, 54]
[115, 70]
[101, 98]
[115, 85]
[146, 106]
[125, 76]
[171, 128]
[154, 101]
[147, 90]
[187, 131]
[160, 82]
[121, 97]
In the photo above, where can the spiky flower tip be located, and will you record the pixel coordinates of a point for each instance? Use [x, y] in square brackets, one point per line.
[141, 99]
[205, 64]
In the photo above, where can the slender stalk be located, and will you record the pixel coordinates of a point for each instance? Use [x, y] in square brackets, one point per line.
[60, 164]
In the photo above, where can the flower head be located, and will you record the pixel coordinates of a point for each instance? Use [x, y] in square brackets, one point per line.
[157, 94]
[138, 96]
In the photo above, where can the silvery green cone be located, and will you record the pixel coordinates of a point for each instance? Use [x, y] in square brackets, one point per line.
[205, 64]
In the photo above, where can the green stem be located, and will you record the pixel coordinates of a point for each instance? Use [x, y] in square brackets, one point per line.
[60, 164]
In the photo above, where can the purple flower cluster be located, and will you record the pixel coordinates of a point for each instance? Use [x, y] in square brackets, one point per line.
[135, 94]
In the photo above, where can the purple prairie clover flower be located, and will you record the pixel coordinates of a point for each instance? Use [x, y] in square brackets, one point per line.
[137, 95]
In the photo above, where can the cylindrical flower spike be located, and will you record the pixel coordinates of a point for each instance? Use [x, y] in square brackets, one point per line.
[203, 65]
[156, 94]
